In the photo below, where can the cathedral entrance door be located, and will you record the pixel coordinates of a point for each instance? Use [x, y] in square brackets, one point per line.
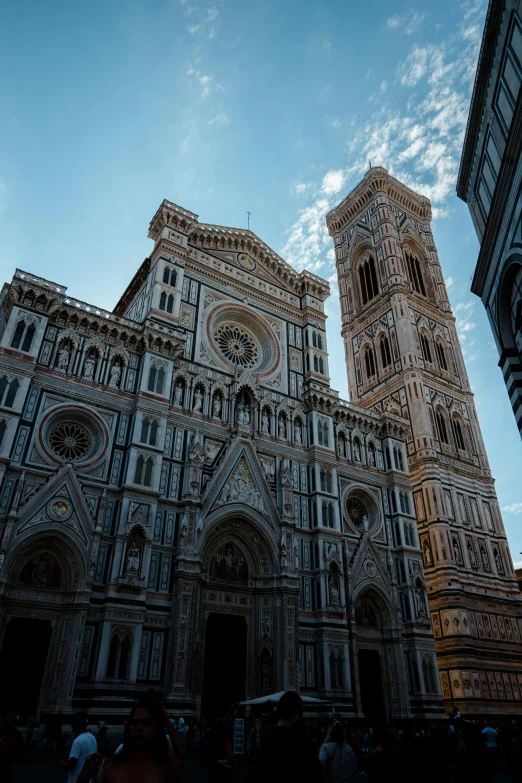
[224, 667]
[22, 663]
[370, 684]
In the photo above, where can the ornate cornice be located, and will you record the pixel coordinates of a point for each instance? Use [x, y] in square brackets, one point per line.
[375, 180]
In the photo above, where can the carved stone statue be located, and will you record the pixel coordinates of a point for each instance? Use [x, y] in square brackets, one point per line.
[183, 534]
[133, 560]
[283, 555]
[357, 451]
[92, 569]
[334, 593]
[216, 407]
[198, 401]
[365, 523]
[243, 413]
[371, 457]
[286, 475]
[298, 437]
[63, 359]
[296, 556]
[114, 379]
[282, 428]
[421, 606]
[88, 368]
[265, 423]
[178, 394]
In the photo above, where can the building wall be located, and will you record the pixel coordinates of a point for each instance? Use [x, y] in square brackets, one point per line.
[393, 294]
[139, 454]
[490, 181]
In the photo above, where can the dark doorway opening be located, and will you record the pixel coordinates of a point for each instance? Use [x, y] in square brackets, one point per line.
[370, 684]
[224, 668]
[22, 664]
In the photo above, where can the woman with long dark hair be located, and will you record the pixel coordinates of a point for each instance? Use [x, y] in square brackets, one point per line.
[144, 756]
[337, 757]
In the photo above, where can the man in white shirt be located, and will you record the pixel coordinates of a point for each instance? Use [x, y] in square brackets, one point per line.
[84, 745]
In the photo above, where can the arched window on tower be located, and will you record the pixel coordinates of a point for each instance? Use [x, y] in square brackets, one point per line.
[459, 438]
[368, 280]
[425, 347]
[170, 303]
[369, 360]
[386, 359]
[441, 427]
[441, 356]
[23, 336]
[163, 301]
[321, 365]
[316, 363]
[119, 656]
[415, 274]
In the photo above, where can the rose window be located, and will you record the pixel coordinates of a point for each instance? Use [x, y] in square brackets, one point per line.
[237, 345]
[356, 511]
[70, 441]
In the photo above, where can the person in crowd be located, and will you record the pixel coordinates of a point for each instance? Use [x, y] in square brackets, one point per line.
[32, 724]
[102, 736]
[219, 745]
[83, 746]
[337, 757]
[515, 754]
[287, 755]
[191, 733]
[181, 727]
[144, 756]
[11, 742]
[261, 733]
[384, 762]
[472, 756]
[490, 734]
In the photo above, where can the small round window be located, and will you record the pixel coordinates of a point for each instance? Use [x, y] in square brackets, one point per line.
[73, 433]
[357, 511]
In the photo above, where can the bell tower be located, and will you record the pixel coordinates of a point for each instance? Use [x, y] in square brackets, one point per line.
[403, 356]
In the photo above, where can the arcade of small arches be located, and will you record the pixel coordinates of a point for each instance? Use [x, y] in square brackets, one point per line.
[451, 431]
[368, 278]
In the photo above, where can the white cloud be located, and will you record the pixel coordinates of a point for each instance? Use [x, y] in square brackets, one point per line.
[301, 188]
[205, 82]
[517, 564]
[449, 282]
[193, 28]
[219, 119]
[334, 123]
[420, 143]
[333, 181]
[212, 14]
[408, 22]
[514, 508]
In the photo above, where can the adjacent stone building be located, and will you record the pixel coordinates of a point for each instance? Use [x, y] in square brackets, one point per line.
[490, 181]
[403, 357]
[187, 505]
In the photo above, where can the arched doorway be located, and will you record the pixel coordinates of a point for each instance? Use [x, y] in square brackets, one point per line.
[43, 602]
[371, 618]
[238, 622]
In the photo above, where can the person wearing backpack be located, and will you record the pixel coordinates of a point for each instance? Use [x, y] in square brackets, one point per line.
[337, 757]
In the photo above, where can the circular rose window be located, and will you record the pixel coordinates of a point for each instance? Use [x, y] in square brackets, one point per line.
[237, 345]
[356, 510]
[240, 337]
[70, 441]
[73, 433]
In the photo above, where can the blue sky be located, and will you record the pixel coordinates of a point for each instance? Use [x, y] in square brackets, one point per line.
[229, 106]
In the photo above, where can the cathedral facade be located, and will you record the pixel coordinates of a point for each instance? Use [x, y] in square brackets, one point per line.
[187, 505]
[403, 357]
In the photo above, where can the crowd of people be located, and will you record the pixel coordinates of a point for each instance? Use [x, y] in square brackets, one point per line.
[281, 747]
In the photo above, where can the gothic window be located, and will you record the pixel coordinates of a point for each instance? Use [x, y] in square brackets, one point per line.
[163, 301]
[393, 501]
[425, 347]
[388, 460]
[368, 280]
[326, 480]
[459, 438]
[327, 514]
[23, 336]
[316, 363]
[386, 359]
[156, 379]
[498, 560]
[336, 671]
[307, 363]
[169, 276]
[313, 509]
[8, 389]
[319, 342]
[3, 428]
[314, 339]
[428, 673]
[321, 365]
[322, 432]
[149, 431]
[406, 606]
[408, 534]
[439, 348]
[170, 304]
[397, 459]
[143, 472]
[402, 572]
[119, 656]
[441, 426]
[415, 274]
[369, 360]
[397, 533]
